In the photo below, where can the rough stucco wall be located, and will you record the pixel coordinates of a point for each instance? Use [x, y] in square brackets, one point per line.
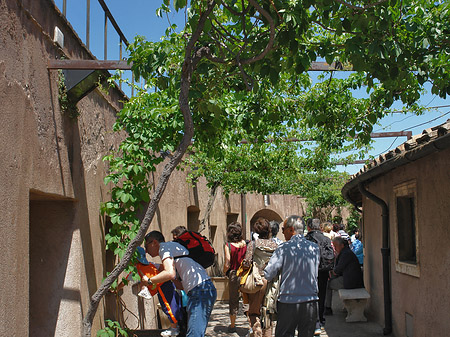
[46, 155]
[425, 298]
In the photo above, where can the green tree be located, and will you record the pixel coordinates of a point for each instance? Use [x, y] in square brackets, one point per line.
[236, 72]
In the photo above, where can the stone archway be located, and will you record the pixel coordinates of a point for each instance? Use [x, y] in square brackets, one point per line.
[265, 213]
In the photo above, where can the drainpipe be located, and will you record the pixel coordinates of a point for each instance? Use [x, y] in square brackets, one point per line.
[244, 216]
[385, 253]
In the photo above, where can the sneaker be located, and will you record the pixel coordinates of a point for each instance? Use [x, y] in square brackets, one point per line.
[328, 312]
[170, 332]
[317, 331]
[231, 329]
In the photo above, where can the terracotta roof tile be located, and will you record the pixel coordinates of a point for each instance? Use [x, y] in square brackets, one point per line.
[427, 135]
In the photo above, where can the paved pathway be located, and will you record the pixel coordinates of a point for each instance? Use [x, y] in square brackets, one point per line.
[335, 327]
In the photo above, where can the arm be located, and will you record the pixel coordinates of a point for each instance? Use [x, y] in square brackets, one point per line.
[167, 274]
[342, 264]
[247, 262]
[357, 248]
[227, 258]
[274, 266]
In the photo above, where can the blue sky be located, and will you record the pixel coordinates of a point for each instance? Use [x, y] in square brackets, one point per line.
[137, 17]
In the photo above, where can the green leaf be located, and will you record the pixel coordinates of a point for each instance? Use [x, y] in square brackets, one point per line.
[125, 197]
[346, 24]
[274, 76]
[265, 70]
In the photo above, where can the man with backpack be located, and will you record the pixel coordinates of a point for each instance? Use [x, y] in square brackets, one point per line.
[326, 263]
[177, 263]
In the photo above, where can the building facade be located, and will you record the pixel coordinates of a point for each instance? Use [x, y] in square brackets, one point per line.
[410, 186]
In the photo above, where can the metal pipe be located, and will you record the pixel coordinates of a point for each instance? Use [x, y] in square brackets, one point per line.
[385, 253]
[105, 40]
[64, 7]
[244, 217]
[88, 21]
[120, 58]
[113, 21]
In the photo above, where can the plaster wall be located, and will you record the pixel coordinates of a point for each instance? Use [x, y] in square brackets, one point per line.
[425, 297]
[48, 158]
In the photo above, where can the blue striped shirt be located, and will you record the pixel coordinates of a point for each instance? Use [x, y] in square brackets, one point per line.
[298, 262]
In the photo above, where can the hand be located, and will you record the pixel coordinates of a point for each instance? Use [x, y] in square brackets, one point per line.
[148, 283]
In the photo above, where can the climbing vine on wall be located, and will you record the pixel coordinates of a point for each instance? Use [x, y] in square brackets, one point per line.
[66, 105]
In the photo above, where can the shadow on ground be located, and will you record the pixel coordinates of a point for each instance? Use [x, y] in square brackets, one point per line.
[220, 320]
[335, 325]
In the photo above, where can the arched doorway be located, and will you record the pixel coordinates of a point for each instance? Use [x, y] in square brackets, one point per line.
[193, 221]
[266, 214]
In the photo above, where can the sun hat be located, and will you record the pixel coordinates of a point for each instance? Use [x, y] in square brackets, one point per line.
[141, 256]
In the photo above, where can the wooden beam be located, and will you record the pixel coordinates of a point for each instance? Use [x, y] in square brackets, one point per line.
[407, 134]
[123, 65]
[323, 66]
[88, 64]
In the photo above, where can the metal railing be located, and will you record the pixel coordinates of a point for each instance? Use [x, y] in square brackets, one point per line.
[108, 17]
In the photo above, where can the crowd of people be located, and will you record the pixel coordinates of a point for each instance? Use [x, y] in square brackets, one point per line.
[292, 279]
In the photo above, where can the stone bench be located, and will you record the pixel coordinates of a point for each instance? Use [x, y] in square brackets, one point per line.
[354, 302]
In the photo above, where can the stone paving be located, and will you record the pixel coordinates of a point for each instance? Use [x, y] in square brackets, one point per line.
[335, 326]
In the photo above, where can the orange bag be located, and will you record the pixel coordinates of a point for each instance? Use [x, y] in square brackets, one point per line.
[150, 270]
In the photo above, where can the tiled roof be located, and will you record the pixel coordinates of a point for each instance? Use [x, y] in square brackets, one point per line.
[414, 144]
[430, 141]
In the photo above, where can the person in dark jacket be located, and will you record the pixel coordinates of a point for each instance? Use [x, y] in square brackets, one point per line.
[326, 263]
[346, 274]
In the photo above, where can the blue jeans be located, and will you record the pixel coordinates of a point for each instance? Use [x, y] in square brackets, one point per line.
[199, 307]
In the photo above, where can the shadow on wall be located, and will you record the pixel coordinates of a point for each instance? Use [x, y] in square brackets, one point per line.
[54, 272]
[193, 221]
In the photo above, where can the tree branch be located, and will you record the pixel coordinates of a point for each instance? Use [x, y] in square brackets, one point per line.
[360, 9]
[192, 57]
[271, 36]
[332, 30]
[232, 11]
[209, 206]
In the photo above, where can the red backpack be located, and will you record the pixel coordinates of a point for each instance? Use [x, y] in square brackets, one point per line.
[200, 249]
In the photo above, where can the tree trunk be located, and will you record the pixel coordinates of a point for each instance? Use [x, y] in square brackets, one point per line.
[209, 207]
[192, 57]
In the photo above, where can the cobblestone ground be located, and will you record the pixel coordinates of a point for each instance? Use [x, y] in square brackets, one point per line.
[335, 326]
